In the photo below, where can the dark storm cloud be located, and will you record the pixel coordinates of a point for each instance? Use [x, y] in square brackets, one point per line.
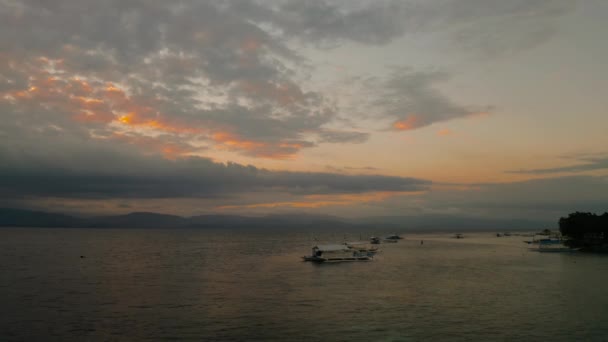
[46, 162]
[104, 173]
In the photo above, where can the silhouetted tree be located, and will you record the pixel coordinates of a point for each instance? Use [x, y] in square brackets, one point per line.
[585, 229]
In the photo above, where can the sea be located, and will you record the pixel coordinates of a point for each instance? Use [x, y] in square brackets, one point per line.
[251, 285]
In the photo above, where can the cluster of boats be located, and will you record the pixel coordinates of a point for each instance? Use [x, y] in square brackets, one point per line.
[349, 251]
[365, 251]
[549, 244]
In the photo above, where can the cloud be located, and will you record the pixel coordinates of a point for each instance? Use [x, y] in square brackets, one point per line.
[486, 27]
[444, 132]
[490, 27]
[193, 70]
[494, 28]
[375, 22]
[537, 199]
[64, 169]
[409, 96]
[334, 136]
[225, 74]
[588, 163]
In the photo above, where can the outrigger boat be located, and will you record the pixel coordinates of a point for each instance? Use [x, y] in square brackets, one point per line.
[340, 253]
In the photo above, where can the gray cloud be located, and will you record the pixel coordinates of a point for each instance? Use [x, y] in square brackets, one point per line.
[226, 67]
[188, 64]
[586, 163]
[153, 177]
[490, 27]
[410, 98]
[70, 165]
[376, 22]
[495, 27]
[333, 136]
[547, 198]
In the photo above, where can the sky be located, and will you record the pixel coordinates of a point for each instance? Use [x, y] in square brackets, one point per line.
[486, 108]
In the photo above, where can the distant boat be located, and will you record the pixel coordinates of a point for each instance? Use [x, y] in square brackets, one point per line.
[393, 237]
[458, 236]
[338, 253]
[387, 239]
[544, 240]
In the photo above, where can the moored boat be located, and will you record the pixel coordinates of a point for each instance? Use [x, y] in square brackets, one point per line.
[551, 247]
[338, 253]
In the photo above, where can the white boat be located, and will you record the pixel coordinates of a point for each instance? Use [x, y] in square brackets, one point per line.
[338, 253]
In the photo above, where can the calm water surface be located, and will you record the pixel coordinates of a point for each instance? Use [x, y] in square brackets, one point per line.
[236, 285]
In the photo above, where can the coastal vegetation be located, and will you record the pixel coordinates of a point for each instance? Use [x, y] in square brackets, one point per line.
[588, 231]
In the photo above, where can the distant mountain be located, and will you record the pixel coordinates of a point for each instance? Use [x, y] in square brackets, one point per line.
[138, 220]
[27, 218]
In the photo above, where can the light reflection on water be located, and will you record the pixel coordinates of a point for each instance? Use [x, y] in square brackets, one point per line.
[238, 285]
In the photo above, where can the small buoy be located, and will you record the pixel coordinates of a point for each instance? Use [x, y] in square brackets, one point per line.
[82, 257]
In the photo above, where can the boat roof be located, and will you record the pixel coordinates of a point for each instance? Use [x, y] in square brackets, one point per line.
[334, 247]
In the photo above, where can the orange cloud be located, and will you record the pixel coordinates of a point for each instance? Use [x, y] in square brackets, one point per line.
[318, 201]
[280, 150]
[412, 122]
[169, 149]
[444, 132]
[141, 117]
[53, 87]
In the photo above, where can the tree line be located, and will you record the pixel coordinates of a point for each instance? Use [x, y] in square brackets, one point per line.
[587, 230]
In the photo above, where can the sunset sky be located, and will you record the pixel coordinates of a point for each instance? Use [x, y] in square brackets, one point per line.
[354, 108]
